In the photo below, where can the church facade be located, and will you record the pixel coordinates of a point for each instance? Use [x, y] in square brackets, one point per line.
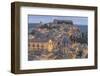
[46, 45]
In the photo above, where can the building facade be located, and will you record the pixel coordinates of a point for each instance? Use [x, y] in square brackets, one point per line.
[46, 45]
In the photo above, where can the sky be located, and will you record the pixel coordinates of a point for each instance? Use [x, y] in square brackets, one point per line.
[46, 19]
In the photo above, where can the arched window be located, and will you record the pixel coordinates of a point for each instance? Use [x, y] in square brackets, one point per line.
[33, 45]
[42, 46]
[28, 45]
[38, 45]
[58, 43]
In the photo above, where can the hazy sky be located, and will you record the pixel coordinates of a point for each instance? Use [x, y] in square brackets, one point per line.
[46, 19]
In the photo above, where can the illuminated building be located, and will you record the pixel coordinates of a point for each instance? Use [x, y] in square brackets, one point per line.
[41, 44]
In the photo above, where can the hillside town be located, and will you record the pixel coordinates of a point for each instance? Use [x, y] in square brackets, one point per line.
[59, 39]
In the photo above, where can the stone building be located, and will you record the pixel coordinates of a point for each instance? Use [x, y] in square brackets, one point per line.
[40, 44]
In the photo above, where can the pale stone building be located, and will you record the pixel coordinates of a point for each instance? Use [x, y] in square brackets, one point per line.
[46, 45]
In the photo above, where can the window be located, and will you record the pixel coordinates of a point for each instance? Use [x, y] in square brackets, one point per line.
[33, 45]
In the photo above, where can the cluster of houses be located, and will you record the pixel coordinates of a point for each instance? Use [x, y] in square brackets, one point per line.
[44, 42]
[51, 37]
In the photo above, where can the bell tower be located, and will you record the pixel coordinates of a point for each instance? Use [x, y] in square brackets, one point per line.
[50, 45]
